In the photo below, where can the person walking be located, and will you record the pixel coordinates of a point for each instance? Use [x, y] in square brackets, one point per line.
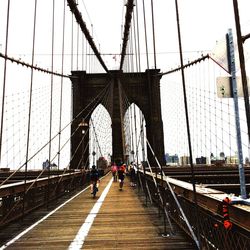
[121, 175]
[114, 172]
[132, 174]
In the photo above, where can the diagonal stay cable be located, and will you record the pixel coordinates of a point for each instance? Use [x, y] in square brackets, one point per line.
[34, 182]
[169, 186]
[105, 102]
[174, 196]
[95, 100]
[160, 197]
[98, 144]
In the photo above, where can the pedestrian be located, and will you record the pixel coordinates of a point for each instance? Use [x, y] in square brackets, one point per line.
[114, 172]
[121, 175]
[132, 174]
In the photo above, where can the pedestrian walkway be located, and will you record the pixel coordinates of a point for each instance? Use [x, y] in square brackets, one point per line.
[119, 220]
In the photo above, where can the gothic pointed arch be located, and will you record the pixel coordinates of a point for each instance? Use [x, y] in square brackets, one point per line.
[143, 89]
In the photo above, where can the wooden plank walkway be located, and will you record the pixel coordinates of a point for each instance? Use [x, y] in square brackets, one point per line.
[123, 222]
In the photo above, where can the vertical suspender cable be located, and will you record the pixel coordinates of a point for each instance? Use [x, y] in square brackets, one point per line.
[131, 50]
[153, 29]
[192, 97]
[95, 134]
[209, 104]
[128, 57]
[30, 103]
[90, 54]
[86, 58]
[94, 148]
[222, 128]
[82, 52]
[61, 93]
[145, 32]
[121, 114]
[133, 147]
[51, 95]
[4, 77]
[196, 112]
[200, 108]
[215, 116]
[136, 55]
[77, 47]
[127, 133]
[138, 38]
[72, 40]
[143, 137]
[205, 108]
[187, 121]
[135, 130]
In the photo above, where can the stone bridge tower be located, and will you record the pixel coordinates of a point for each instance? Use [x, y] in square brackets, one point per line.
[143, 89]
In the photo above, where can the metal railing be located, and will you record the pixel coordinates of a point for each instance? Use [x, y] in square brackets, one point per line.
[14, 206]
[210, 229]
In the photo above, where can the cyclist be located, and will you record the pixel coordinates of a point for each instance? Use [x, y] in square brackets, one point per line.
[94, 178]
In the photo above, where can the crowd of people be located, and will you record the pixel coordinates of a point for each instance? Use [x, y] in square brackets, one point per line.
[119, 172]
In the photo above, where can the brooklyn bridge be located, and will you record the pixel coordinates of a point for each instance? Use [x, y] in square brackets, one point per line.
[164, 93]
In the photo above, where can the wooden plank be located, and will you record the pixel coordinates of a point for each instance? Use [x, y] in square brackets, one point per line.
[123, 222]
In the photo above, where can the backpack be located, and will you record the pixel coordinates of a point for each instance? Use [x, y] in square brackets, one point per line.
[94, 175]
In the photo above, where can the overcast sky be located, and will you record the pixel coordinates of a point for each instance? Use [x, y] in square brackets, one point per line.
[202, 23]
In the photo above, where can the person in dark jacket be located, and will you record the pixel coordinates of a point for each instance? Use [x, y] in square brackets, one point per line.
[94, 178]
[121, 175]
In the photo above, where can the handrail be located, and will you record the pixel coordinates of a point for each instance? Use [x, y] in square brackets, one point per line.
[40, 180]
[160, 197]
[175, 198]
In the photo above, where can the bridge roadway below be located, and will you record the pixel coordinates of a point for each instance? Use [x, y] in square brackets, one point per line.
[122, 222]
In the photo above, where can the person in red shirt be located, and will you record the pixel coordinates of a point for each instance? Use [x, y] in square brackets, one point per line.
[114, 172]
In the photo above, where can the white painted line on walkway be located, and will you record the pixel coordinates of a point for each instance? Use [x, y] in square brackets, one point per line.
[41, 220]
[84, 230]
